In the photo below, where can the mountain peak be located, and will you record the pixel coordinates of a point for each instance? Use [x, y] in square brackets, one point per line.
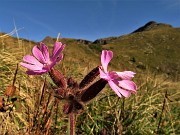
[151, 25]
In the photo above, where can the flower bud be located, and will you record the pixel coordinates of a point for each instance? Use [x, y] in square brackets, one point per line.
[58, 78]
[89, 77]
[92, 91]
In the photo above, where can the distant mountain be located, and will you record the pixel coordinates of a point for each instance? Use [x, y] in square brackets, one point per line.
[154, 46]
[152, 25]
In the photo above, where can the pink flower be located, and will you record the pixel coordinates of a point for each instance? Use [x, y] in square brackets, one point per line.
[120, 82]
[41, 62]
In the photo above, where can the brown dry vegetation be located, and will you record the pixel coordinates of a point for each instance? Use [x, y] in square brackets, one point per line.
[34, 110]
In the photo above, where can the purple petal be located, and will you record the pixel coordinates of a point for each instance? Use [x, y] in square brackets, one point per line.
[60, 57]
[57, 49]
[38, 54]
[45, 52]
[115, 88]
[103, 75]
[130, 73]
[125, 93]
[31, 60]
[54, 62]
[113, 75]
[31, 67]
[126, 75]
[106, 57]
[128, 85]
[38, 72]
[51, 65]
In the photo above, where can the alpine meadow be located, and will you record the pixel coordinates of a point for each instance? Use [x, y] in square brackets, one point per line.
[30, 105]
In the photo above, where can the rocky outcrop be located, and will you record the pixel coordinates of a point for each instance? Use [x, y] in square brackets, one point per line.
[82, 41]
[104, 41]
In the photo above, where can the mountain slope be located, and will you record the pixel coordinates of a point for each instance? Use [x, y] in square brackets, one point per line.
[154, 46]
[152, 25]
[138, 114]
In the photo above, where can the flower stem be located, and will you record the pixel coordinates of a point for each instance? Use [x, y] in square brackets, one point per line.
[163, 108]
[71, 124]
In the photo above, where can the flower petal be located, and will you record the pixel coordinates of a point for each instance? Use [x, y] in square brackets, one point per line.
[126, 75]
[113, 75]
[57, 49]
[123, 92]
[38, 54]
[128, 85]
[115, 88]
[30, 66]
[52, 63]
[45, 52]
[38, 72]
[32, 60]
[103, 75]
[106, 57]
[60, 57]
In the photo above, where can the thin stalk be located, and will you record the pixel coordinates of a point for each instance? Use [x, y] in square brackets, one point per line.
[49, 121]
[14, 80]
[45, 106]
[163, 108]
[71, 124]
[57, 110]
[122, 109]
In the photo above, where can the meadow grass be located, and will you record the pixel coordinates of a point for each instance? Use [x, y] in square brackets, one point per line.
[34, 110]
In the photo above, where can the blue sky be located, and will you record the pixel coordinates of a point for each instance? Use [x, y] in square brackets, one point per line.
[85, 19]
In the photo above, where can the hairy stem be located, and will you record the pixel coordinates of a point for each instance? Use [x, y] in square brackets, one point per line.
[72, 124]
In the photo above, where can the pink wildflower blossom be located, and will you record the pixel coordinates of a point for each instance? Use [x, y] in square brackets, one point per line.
[120, 82]
[41, 62]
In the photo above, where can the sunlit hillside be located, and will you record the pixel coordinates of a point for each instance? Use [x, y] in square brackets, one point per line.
[155, 46]
[152, 52]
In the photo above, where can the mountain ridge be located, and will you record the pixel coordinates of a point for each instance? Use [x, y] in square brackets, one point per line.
[152, 25]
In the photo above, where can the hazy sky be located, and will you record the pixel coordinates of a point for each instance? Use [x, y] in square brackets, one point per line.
[86, 19]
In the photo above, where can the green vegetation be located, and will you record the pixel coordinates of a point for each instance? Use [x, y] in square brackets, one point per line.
[154, 109]
[157, 49]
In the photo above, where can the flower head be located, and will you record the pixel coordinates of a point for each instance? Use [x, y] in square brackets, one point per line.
[120, 82]
[41, 62]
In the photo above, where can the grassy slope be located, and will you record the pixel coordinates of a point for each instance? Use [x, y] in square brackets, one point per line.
[157, 49]
[138, 114]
